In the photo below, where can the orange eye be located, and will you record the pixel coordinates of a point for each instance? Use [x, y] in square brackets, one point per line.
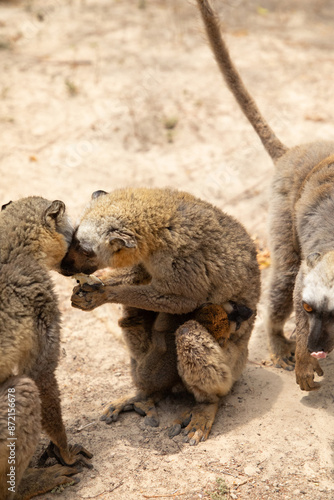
[307, 307]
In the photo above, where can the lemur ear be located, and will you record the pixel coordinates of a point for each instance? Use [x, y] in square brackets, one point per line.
[312, 259]
[121, 239]
[54, 212]
[97, 194]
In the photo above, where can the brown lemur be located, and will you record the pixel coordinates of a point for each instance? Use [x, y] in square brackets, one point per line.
[301, 227]
[169, 254]
[34, 237]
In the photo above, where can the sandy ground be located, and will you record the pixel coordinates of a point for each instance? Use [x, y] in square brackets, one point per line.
[99, 95]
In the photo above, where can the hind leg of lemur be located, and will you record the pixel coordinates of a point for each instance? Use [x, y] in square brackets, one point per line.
[208, 371]
[21, 395]
[52, 424]
[285, 266]
[151, 342]
[39, 481]
[280, 307]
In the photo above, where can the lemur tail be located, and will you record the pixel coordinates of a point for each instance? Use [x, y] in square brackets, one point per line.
[212, 25]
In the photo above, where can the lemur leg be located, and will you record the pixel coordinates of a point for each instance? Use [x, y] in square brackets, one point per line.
[280, 306]
[208, 372]
[39, 481]
[52, 423]
[21, 394]
[285, 266]
[153, 363]
[139, 402]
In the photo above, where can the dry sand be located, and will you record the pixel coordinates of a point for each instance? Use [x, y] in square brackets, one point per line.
[100, 95]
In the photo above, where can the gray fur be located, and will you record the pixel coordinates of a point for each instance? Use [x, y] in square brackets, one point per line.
[301, 226]
[33, 239]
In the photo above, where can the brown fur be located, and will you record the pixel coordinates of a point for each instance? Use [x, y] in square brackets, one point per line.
[215, 320]
[34, 236]
[184, 253]
[301, 224]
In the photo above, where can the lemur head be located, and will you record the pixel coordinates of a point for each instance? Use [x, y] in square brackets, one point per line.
[41, 227]
[318, 302]
[103, 238]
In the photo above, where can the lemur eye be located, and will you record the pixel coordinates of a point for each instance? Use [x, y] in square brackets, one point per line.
[88, 253]
[307, 307]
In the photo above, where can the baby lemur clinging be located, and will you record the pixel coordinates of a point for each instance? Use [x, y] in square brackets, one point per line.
[301, 230]
[34, 237]
[170, 253]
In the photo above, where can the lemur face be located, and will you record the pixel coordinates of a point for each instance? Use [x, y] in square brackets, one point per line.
[318, 304]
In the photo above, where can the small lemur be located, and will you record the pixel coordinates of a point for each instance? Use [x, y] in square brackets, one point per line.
[301, 227]
[169, 254]
[34, 237]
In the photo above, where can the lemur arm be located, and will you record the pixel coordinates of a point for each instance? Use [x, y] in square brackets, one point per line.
[148, 297]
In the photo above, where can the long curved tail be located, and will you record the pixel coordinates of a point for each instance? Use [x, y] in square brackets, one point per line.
[212, 25]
